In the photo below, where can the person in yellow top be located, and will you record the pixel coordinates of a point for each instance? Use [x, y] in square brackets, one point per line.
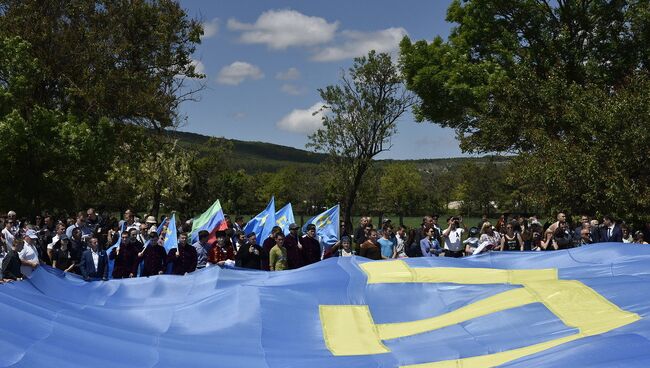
[278, 254]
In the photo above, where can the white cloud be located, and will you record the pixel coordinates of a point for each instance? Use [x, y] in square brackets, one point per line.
[291, 74]
[199, 67]
[279, 29]
[237, 72]
[291, 89]
[359, 43]
[302, 121]
[211, 28]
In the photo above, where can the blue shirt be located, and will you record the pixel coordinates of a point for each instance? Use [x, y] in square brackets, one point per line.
[430, 248]
[387, 246]
[202, 253]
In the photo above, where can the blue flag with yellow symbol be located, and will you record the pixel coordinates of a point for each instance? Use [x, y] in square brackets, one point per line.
[263, 223]
[111, 262]
[284, 218]
[327, 226]
[583, 307]
[170, 235]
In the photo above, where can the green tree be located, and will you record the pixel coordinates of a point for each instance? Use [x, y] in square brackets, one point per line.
[74, 76]
[360, 117]
[553, 83]
[401, 189]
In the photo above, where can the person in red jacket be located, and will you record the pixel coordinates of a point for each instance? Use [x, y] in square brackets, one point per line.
[221, 251]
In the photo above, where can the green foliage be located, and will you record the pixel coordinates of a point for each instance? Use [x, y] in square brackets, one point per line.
[401, 188]
[557, 83]
[359, 119]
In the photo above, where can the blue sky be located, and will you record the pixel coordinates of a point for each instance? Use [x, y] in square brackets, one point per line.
[265, 60]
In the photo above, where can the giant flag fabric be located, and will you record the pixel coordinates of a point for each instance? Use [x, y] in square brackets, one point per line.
[263, 223]
[584, 307]
[211, 220]
[327, 226]
[284, 218]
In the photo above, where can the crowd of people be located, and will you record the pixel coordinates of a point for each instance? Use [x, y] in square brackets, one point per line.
[88, 243]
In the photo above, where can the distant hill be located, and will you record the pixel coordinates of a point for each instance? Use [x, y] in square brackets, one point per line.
[256, 157]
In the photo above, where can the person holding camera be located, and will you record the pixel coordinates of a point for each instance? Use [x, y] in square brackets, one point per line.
[452, 236]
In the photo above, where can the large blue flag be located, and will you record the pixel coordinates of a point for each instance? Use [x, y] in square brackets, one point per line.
[284, 218]
[171, 236]
[583, 307]
[327, 226]
[263, 223]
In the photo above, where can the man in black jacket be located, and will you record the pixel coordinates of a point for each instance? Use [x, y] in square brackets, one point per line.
[11, 262]
[248, 255]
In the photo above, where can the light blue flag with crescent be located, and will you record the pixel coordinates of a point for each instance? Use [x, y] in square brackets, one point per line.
[284, 218]
[327, 226]
[263, 223]
[162, 225]
[171, 237]
[111, 262]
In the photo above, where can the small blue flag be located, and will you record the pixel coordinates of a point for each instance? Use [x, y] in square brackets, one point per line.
[327, 226]
[263, 223]
[284, 218]
[111, 262]
[171, 237]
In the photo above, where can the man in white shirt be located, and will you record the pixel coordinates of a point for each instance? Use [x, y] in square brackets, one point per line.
[29, 254]
[452, 237]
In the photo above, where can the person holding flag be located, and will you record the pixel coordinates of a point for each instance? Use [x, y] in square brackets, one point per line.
[326, 228]
[154, 256]
[183, 257]
[125, 255]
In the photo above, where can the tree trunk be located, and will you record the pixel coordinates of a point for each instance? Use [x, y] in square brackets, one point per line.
[351, 195]
[157, 195]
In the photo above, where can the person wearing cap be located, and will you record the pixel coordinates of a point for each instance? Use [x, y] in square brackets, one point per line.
[62, 258]
[310, 246]
[94, 262]
[203, 249]
[248, 256]
[29, 254]
[294, 248]
[221, 250]
[11, 264]
[154, 256]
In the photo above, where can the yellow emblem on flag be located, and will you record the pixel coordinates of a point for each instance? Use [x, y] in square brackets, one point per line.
[350, 329]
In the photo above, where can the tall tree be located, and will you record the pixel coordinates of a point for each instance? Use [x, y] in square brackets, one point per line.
[360, 117]
[553, 83]
[401, 189]
[74, 75]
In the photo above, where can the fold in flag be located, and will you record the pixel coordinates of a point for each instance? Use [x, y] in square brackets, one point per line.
[171, 236]
[263, 223]
[327, 226]
[211, 220]
[582, 307]
[284, 218]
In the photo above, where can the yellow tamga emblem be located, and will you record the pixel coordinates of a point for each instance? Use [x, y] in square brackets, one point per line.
[350, 329]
